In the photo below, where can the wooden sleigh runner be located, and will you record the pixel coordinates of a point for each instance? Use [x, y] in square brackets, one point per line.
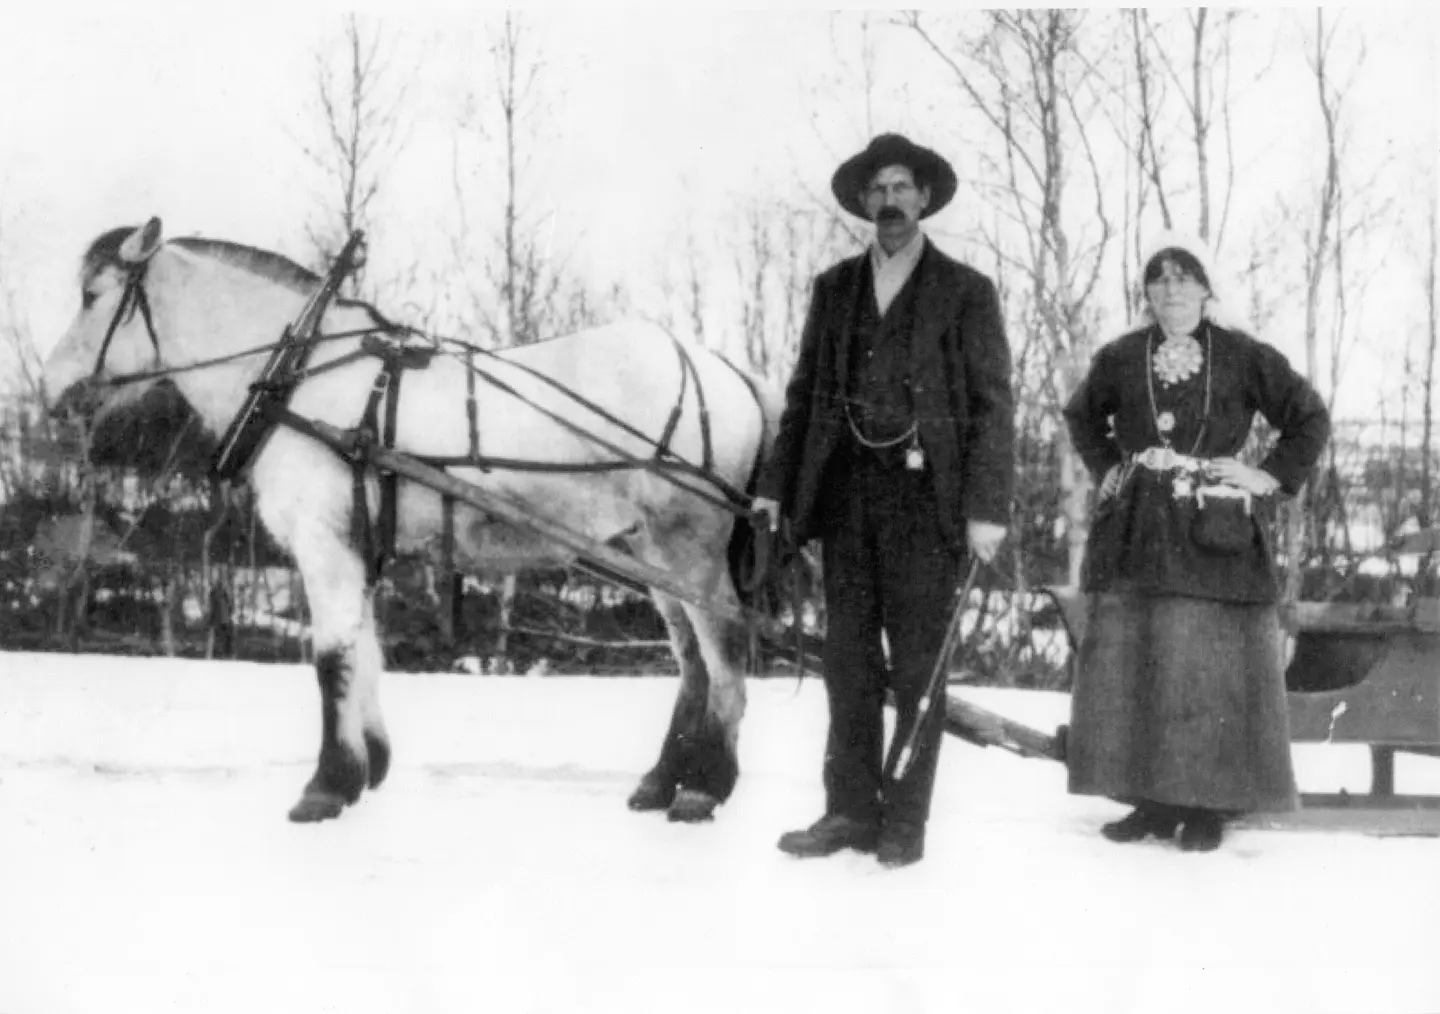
[1367, 675]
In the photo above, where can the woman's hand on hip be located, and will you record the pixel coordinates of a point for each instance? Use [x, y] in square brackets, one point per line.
[1236, 473]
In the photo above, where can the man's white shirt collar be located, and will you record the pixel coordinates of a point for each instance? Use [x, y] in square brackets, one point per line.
[892, 271]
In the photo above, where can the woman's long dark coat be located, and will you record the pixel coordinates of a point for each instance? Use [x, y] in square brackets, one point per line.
[1180, 694]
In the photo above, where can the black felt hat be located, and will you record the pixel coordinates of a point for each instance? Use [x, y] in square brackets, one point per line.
[930, 170]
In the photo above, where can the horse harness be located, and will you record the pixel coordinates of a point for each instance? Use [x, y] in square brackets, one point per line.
[132, 298]
[267, 406]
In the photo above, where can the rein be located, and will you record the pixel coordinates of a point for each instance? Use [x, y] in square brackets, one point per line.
[663, 462]
[134, 297]
[139, 376]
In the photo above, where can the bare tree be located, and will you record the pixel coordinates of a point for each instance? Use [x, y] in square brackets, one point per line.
[1027, 75]
[752, 267]
[1183, 74]
[695, 290]
[515, 75]
[852, 83]
[516, 280]
[360, 102]
[20, 361]
[682, 279]
[1346, 208]
[1148, 88]
[1427, 435]
[21, 364]
[1318, 235]
[779, 248]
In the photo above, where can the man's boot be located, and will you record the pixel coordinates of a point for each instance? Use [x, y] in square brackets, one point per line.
[829, 835]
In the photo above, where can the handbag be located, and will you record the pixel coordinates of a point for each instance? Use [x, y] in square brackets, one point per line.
[1224, 522]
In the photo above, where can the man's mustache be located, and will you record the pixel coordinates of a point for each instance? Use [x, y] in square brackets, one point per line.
[890, 215]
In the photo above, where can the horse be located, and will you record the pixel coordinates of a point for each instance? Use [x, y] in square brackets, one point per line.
[203, 312]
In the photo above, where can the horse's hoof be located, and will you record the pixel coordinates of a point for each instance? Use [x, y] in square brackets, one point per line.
[317, 806]
[377, 752]
[692, 806]
[651, 794]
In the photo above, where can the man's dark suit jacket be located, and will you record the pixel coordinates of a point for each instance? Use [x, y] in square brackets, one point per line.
[960, 383]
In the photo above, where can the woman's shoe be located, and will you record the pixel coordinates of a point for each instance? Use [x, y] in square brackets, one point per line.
[1202, 832]
[1145, 820]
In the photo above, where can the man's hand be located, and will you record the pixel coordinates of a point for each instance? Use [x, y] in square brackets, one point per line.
[1110, 485]
[770, 508]
[984, 539]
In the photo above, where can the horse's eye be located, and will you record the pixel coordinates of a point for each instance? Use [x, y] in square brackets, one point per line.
[87, 299]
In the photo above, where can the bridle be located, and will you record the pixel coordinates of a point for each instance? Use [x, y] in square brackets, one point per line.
[133, 298]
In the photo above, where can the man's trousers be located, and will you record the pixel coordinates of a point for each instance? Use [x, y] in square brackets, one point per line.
[888, 568]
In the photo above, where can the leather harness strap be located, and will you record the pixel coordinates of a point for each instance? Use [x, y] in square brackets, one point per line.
[132, 298]
[288, 366]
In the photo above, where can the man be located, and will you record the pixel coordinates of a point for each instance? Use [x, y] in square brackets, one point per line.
[895, 451]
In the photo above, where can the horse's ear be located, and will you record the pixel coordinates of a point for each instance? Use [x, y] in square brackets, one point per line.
[141, 244]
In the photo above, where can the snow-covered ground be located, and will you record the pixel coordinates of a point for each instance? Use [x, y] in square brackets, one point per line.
[146, 865]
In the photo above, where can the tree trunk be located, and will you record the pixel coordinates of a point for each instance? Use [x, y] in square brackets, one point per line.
[1427, 438]
[169, 606]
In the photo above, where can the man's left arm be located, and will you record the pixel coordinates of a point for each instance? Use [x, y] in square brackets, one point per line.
[987, 477]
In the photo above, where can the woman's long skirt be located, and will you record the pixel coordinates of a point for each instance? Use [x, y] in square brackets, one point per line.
[1181, 701]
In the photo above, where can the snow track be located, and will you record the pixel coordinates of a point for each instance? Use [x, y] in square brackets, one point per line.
[146, 865]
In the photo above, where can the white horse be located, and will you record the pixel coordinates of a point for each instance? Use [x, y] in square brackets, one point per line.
[203, 300]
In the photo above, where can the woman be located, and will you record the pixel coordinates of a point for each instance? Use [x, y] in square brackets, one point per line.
[1179, 706]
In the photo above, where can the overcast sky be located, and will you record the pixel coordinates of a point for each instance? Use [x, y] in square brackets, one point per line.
[113, 113]
[118, 113]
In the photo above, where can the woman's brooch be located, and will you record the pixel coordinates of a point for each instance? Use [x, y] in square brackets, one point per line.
[1178, 359]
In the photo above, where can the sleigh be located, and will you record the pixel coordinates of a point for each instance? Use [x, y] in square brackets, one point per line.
[1367, 675]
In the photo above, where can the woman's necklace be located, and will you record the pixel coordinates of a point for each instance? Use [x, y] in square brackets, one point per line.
[1178, 359]
[1165, 421]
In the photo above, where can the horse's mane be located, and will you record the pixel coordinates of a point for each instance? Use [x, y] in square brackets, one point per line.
[105, 252]
[276, 267]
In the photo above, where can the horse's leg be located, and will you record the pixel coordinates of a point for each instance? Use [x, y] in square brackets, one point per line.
[372, 662]
[710, 764]
[698, 765]
[656, 790]
[354, 749]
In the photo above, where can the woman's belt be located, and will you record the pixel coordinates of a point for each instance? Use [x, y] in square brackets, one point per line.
[1163, 459]
[1186, 467]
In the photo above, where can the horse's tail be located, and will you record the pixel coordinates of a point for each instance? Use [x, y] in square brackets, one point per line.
[748, 551]
[768, 571]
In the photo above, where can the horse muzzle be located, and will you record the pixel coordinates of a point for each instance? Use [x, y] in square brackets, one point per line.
[80, 401]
